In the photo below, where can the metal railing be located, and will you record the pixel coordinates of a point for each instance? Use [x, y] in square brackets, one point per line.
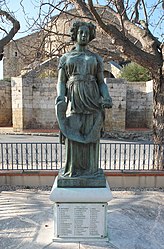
[51, 156]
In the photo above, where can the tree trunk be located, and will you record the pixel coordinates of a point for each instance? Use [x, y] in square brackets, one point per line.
[158, 119]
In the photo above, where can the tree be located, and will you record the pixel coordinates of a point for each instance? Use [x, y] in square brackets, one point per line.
[143, 48]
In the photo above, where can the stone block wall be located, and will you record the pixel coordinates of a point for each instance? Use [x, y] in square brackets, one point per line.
[139, 104]
[17, 103]
[33, 104]
[20, 54]
[5, 104]
[149, 104]
[36, 107]
[115, 117]
[39, 103]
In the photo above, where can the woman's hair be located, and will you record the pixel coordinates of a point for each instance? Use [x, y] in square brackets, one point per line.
[76, 25]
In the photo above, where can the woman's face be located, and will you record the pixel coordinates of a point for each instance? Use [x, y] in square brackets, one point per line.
[83, 35]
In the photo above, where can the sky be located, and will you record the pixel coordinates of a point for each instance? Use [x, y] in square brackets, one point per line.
[31, 10]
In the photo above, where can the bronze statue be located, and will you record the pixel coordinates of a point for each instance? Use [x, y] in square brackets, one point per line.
[82, 96]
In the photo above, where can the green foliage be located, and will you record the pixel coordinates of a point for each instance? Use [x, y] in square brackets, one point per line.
[134, 72]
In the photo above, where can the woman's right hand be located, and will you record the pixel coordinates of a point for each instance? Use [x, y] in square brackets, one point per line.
[107, 103]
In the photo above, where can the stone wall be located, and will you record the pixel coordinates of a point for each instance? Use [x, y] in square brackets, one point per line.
[33, 98]
[115, 117]
[149, 104]
[139, 104]
[17, 103]
[20, 54]
[5, 104]
[33, 103]
[39, 103]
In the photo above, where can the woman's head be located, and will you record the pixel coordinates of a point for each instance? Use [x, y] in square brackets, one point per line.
[79, 27]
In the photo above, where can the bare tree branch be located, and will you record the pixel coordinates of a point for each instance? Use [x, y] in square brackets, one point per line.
[135, 12]
[83, 8]
[127, 47]
[145, 13]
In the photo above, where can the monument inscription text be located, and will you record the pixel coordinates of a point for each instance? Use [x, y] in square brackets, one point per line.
[81, 220]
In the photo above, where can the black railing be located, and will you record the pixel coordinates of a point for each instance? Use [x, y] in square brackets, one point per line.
[51, 156]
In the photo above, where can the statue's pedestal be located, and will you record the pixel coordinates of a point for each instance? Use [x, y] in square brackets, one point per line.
[80, 214]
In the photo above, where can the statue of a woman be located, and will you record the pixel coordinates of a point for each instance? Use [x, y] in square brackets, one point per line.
[82, 96]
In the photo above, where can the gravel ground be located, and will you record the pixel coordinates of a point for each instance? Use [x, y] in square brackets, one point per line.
[48, 188]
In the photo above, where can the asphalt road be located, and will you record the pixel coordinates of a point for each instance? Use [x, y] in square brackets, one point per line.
[27, 138]
[50, 138]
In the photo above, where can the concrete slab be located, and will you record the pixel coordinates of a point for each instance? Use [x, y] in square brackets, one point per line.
[80, 194]
[135, 221]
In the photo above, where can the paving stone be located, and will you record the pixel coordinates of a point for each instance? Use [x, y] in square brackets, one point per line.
[135, 220]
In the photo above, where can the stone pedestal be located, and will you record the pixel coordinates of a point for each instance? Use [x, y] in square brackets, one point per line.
[80, 214]
[91, 181]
